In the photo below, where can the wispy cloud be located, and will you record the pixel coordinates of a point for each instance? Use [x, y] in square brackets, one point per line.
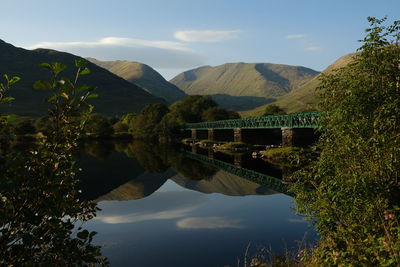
[116, 41]
[313, 48]
[207, 36]
[295, 36]
[208, 223]
[156, 53]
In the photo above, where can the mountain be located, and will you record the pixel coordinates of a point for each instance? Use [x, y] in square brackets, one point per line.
[223, 183]
[137, 188]
[143, 76]
[244, 79]
[117, 96]
[304, 98]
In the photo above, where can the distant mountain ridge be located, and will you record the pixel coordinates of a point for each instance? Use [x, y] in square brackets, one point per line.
[116, 95]
[306, 97]
[244, 79]
[143, 76]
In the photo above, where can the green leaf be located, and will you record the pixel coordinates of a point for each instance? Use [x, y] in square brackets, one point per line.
[42, 85]
[58, 67]
[80, 63]
[7, 99]
[51, 100]
[85, 71]
[14, 80]
[93, 96]
[45, 65]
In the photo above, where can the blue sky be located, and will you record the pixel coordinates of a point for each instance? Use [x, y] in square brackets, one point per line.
[175, 35]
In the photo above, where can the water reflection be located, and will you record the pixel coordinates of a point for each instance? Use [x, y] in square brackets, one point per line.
[163, 207]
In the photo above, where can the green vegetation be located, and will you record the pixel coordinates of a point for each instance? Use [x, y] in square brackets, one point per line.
[159, 121]
[235, 146]
[38, 198]
[273, 110]
[116, 96]
[98, 126]
[284, 156]
[352, 191]
[218, 113]
[143, 76]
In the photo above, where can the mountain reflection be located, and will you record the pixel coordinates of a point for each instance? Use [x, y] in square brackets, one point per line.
[127, 171]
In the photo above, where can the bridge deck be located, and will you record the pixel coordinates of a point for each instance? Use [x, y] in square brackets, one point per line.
[298, 120]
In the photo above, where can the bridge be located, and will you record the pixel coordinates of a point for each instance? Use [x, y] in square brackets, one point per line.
[273, 183]
[294, 127]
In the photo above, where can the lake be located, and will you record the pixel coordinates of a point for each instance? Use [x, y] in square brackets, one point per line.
[164, 206]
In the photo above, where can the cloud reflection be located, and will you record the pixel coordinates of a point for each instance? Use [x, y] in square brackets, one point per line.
[208, 223]
[162, 206]
[137, 217]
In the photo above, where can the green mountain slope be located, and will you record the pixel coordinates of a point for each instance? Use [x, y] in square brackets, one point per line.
[244, 79]
[117, 96]
[143, 76]
[304, 98]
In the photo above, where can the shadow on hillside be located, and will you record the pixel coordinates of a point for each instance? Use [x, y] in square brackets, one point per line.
[240, 103]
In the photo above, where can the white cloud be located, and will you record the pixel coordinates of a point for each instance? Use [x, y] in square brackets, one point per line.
[115, 41]
[207, 36]
[295, 36]
[313, 48]
[158, 54]
[208, 223]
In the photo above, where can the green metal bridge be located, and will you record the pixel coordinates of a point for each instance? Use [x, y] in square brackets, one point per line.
[297, 120]
[259, 178]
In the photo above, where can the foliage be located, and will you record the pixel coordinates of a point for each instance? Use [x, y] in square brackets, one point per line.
[120, 127]
[98, 126]
[156, 120]
[273, 110]
[354, 184]
[38, 200]
[24, 127]
[285, 156]
[145, 124]
[218, 113]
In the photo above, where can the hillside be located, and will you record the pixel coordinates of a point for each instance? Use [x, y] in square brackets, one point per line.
[223, 183]
[244, 79]
[304, 98]
[117, 96]
[143, 76]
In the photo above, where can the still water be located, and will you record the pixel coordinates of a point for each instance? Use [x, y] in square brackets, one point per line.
[161, 207]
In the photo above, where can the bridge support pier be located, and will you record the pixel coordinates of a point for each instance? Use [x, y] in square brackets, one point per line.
[238, 161]
[287, 137]
[210, 153]
[194, 134]
[210, 134]
[237, 135]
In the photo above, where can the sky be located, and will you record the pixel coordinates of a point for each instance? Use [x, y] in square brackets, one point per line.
[175, 35]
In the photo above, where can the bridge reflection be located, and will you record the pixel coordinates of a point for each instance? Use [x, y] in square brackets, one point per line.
[271, 182]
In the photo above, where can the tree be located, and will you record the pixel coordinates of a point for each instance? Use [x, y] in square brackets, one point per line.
[218, 113]
[98, 126]
[145, 124]
[39, 202]
[273, 110]
[24, 127]
[352, 190]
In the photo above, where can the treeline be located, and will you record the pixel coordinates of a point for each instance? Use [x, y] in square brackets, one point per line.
[159, 121]
[153, 122]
